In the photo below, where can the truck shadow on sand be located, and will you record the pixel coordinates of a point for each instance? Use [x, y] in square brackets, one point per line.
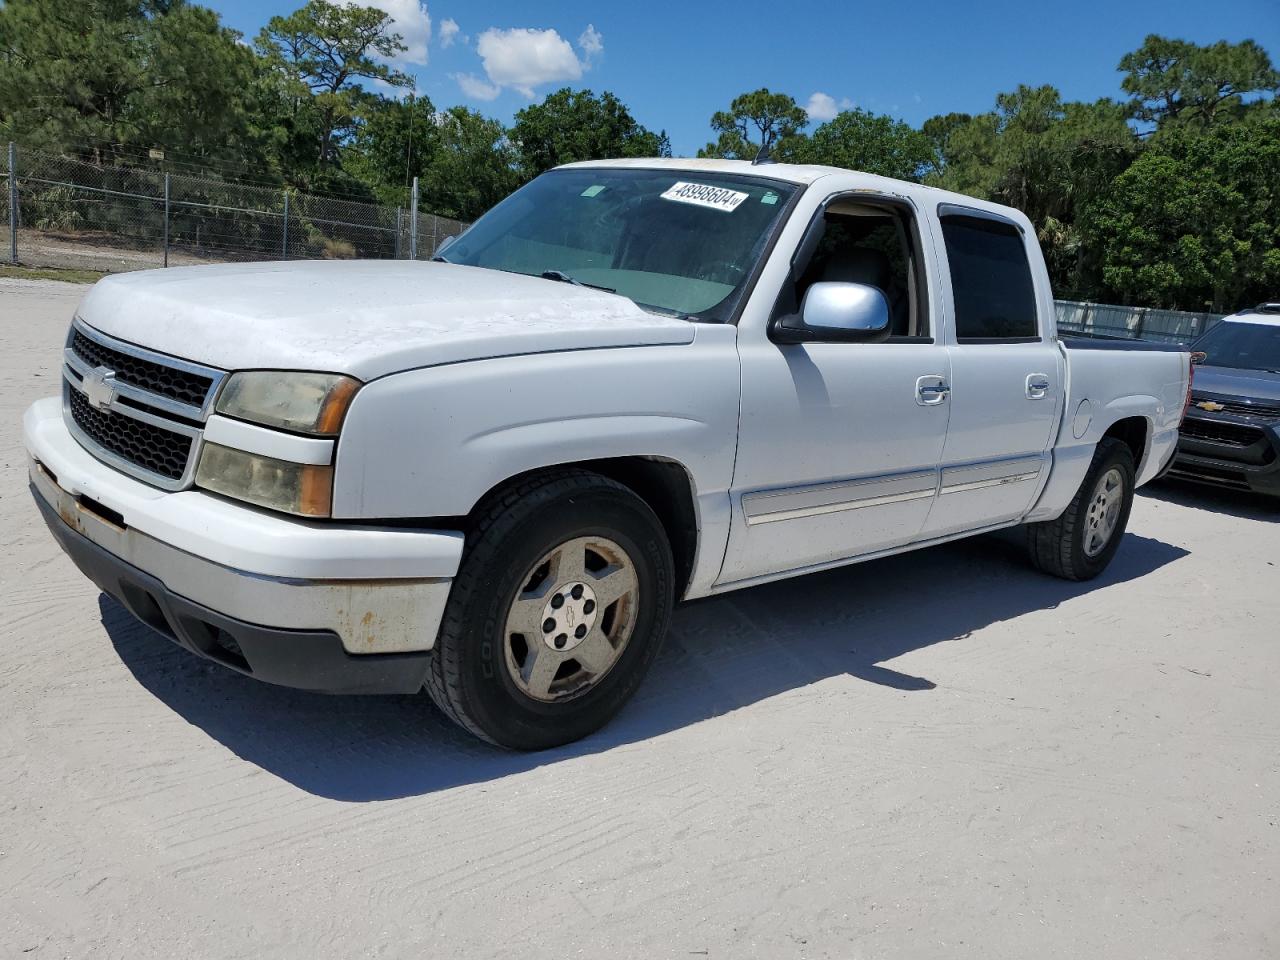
[723, 654]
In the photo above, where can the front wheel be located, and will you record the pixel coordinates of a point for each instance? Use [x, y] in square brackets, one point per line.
[558, 609]
[1080, 543]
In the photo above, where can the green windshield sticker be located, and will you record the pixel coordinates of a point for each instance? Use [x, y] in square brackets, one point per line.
[769, 198]
[593, 190]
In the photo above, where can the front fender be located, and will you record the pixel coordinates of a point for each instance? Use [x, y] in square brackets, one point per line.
[432, 442]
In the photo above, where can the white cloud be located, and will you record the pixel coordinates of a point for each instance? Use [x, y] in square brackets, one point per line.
[591, 43]
[411, 20]
[448, 32]
[523, 59]
[822, 107]
[475, 88]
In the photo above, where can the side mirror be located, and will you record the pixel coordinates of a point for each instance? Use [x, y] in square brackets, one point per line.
[835, 313]
[1198, 357]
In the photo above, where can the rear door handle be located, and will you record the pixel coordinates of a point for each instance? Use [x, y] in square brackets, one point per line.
[1037, 386]
[931, 391]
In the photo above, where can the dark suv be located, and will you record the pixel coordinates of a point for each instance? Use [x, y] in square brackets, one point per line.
[1231, 435]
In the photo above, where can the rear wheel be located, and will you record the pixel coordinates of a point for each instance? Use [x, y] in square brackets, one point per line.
[1080, 543]
[559, 607]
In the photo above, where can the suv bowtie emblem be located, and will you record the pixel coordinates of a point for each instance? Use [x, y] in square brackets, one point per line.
[99, 387]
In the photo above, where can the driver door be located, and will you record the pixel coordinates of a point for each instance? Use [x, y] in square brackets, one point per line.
[840, 443]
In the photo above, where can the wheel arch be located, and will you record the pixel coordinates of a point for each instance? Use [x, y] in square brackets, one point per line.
[1135, 433]
[666, 485]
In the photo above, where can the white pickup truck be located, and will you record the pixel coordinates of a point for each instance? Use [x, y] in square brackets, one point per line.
[631, 382]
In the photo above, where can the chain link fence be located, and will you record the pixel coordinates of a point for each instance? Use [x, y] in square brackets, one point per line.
[61, 212]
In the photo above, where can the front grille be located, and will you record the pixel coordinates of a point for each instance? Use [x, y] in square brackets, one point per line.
[1213, 431]
[149, 447]
[140, 411]
[180, 385]
[1261, 409]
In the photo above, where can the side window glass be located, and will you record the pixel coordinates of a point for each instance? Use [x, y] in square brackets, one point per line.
[990, 279]
[863, 243]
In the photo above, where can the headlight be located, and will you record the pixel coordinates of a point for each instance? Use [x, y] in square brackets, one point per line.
[303, 402]
[302, 488]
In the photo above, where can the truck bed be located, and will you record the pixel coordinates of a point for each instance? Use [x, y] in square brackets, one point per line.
[1120, 343]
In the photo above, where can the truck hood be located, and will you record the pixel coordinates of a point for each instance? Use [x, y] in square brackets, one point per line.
[366, 318]
[1256, 385]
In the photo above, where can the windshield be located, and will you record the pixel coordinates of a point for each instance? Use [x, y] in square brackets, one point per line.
[1243, 345]
[678, 242]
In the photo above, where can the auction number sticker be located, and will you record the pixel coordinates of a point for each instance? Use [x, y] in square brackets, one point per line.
[702, 195]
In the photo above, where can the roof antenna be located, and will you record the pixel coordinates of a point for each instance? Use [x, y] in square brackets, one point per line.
[762, 156]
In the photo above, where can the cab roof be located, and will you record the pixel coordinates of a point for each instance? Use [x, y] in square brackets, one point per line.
[802, 175]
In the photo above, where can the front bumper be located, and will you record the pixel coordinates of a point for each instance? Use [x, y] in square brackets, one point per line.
[305, 659]
[306, 603]
[1228, 451]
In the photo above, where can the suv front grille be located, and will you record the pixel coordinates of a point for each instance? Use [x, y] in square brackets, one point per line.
[1231, 434]
[188, 388]
[1261, 409]
[137, 410]
[145, 445]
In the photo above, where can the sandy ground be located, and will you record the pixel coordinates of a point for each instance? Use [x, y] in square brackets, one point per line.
[941, 755]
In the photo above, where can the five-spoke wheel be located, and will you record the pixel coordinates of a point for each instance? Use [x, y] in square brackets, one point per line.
[1080, 543]
[1104, 511]
[572, 619]
[559, 607]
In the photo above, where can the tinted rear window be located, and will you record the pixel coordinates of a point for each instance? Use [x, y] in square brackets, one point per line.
[990, 279]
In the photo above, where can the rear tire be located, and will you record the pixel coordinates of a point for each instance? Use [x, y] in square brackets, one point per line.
[521, 670]
[1080, 543]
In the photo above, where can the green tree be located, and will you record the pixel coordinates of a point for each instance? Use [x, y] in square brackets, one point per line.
[1192, 222]
[107, 78]
[874, 143]
[966, 156]
[1045, 157]
[473, 168]
[322, 53]
[756, 120]
[396, 142]
[1177, 81]
[939, 130]
[572, 125]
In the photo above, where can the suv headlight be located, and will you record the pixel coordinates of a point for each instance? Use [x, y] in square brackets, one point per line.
[312, 403]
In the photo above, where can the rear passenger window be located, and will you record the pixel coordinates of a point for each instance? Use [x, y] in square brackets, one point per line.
[990, 280]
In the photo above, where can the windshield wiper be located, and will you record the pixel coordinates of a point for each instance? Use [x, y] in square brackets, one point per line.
[563, 277]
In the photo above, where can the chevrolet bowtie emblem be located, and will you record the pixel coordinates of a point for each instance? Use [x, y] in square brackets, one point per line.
[1211, 406]
[99, 387]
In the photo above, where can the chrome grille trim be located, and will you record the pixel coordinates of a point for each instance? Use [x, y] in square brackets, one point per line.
[214, 376]
[140, 404]
[1238, 406]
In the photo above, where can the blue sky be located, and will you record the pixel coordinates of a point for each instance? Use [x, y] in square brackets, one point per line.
[674, 64]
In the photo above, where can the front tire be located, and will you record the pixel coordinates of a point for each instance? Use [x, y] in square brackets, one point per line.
[1080, 543]
[559, 608]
